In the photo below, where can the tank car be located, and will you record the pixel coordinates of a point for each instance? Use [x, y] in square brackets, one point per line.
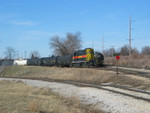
[98, 59]
[50, 61]
[7, 62]
[35, 61]
[64, 61]
[30, 61]
[1, 62]
[38, 61]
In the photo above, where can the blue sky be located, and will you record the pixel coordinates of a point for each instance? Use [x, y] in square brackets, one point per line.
[27, 25]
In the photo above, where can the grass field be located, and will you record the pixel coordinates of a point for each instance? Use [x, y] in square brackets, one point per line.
[16, 97]
[88, 75]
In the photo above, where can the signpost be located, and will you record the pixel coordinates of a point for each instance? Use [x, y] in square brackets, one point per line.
[117, 57]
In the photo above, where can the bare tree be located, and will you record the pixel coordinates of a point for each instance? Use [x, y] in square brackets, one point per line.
[110, 52]
[146, 50]
[10, 53]
[134, 51]
[58, 45]
[34, 54]
[71, 43]
[107, 53]
[124, 50]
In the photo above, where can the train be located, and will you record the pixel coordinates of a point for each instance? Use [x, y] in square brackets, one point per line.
[80, 58]
[6, 62]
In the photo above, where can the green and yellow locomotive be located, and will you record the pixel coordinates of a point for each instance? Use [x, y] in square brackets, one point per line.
[83, 58]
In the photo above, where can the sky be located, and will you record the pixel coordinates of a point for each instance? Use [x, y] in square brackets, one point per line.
[28, 25]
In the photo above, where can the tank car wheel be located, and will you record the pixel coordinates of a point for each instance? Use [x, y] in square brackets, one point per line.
[81, 65]
[71, 65]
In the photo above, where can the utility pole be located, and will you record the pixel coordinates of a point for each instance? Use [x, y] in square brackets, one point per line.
[25, 55]
[130, 36]
[17, 55]
[103, 44]
[112, 50]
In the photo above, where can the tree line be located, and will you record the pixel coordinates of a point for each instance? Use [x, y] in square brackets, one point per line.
[124, 51]
[11, 53]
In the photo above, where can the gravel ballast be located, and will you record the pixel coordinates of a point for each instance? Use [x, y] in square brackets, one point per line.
[101, 99]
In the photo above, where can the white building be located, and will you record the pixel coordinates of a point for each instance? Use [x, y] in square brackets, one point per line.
[20, 62]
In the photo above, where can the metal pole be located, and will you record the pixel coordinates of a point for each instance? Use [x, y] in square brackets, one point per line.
[25, 54]
[129, 35]
[112, 51]
[103, 44]
[117, 68]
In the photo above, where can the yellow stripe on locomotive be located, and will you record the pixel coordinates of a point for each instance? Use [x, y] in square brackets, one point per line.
[89, 54]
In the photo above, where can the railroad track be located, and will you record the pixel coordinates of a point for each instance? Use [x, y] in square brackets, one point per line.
[128, 70]
[130, 92]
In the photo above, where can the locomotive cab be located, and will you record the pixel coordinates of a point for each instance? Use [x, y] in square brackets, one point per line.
[83, 58]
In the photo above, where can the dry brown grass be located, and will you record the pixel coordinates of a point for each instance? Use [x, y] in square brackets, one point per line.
[33, 105]
[87, 75]
[134, 61]
[19, 98]
[75, 74]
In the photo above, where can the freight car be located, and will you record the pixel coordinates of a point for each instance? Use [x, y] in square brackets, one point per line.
[35, 61]
[64, 61]
[98, 59]
[49, 61]
[6, 62]
[80, 58]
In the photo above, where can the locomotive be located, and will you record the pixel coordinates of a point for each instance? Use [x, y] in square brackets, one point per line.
[80, 58]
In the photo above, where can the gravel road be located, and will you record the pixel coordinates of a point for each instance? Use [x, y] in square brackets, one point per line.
[101, 99]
